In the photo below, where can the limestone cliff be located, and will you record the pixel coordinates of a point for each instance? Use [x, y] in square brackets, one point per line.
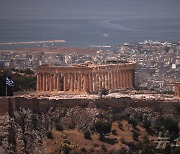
[23, 132]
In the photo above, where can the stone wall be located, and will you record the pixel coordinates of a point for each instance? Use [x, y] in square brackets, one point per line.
[3, 105]
[11, 104]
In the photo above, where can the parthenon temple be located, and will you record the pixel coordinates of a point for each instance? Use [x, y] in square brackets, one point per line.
[85, 78]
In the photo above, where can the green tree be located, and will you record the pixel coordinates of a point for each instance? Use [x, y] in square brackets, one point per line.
[135, 136]
[132, 122]
[103, 128]
[58, 127]
[27, 71]
[114, 132]
[103, 147]
[147, 146]
[23, 82]
[176, 150]
[171, 125]
[49, 135]
[87, 135]
[146, 124]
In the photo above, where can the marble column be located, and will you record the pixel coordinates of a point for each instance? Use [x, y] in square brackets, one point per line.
[72, 82]
[65, 82]
[97, 81]
[104, 80]
[178, 91]
[44, 82]
[38, 82]
[94, 86]
[126, 78]
[123, 79]
[94, 82]
[108, 80]
[85, 82]
[75, 81]
[47, 82]
[51, 82]
[54, 81]
[130, 78]
[118, 80]
[79, 83]
[38, 86]
[100, 81]
[133, 78]
[58, 83]
[114, 80]
[111, 80]
[90, 83]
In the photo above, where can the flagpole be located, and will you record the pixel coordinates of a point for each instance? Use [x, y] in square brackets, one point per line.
[6, 90]
[10, 83]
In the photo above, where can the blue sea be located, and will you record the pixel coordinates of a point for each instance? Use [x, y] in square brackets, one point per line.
[83, 23]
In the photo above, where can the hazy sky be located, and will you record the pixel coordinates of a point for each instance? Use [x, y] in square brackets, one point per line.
[88, 9]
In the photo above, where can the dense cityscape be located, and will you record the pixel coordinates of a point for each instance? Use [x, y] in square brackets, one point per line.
[157, 63]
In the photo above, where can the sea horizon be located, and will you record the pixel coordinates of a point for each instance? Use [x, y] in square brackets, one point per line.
[89, 23]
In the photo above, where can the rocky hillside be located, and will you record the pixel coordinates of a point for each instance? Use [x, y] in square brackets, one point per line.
[25, 131]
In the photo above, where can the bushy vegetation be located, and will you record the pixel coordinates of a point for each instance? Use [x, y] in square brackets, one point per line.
[96, 145]
[120, 125]
[147, 146]
[49, 135]
[66, 147]
[135, 136]
[132, 122]
[83, 150]
[146, 124]
[103, 128]
[87, 135]
[58, 127]
[23, 80]
[103, 147]
[171, 125]
[0, 140]
[114, 132]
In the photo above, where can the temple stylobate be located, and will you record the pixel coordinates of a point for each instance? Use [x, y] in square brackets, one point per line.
[85, 78]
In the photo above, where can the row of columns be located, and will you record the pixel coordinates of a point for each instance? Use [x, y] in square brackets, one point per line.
[110, 80]
[48, 82]
[87, 82]
[177, 90]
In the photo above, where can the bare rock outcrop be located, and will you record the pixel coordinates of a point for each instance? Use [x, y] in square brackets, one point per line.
[24, 131]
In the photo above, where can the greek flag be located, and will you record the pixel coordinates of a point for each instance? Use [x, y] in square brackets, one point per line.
[9, 82]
